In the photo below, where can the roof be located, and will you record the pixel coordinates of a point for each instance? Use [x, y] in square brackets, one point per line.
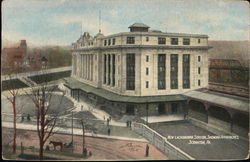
[224, 101]
[75, 84]
[138, 25]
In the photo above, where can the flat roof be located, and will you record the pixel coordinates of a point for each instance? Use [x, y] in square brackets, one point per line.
[150, 33]
[75, 84]
[225, 101]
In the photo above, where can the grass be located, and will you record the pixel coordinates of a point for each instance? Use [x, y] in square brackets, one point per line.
[12, 84]
[50, 77]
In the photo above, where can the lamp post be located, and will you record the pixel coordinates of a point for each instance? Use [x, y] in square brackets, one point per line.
[147, 114]
[83, 135]
[72, 131]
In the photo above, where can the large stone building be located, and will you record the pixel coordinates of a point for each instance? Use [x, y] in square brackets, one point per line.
[131, 72]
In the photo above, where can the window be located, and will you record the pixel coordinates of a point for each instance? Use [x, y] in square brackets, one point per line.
[146, 71]
[186, 41]
[161, 71]
[105, 69]
[186, 71]
[113, 72]
[105, 42]
[109, 42]
[199, 70]
[199, 41]
[130, 40]
[174, 71]
[130, 84]
[174, 41]
[113, 41]
[147, 58]
[199, 58]
[161, 40]
[146, 84]
[109, 69]
[147, 39]
[199, 82]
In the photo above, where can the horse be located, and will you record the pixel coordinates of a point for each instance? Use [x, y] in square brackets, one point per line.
[55, 144]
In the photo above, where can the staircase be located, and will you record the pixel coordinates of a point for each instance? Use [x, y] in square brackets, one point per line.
[28, 81]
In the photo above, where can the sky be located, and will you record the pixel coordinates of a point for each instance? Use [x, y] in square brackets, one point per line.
[60, 22]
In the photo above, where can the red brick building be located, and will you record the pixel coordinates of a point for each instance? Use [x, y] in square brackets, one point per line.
[13, 58]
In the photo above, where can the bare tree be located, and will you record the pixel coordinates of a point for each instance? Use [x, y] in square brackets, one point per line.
[45, 117]
[13, 93]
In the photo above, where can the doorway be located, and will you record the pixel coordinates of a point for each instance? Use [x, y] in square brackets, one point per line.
[130, 109]
[174, 107]
[161, 108]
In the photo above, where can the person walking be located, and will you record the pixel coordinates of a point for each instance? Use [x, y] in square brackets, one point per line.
[28, 117]
[109, 131]
[147, 151]
[107, 121]
[22, 118]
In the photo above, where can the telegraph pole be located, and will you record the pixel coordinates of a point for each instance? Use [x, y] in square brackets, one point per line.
[147, 113]
[72, 131]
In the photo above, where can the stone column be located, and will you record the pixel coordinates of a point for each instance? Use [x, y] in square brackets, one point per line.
[111, 70]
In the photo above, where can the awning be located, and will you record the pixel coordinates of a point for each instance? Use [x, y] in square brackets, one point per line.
[75, 84]
[224, 101]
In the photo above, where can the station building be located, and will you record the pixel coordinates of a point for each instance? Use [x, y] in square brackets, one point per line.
[140, 72]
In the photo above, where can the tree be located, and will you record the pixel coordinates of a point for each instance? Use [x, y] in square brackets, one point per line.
[45, 117]
[13, 93]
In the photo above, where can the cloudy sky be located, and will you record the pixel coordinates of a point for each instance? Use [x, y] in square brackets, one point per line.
[58, 22]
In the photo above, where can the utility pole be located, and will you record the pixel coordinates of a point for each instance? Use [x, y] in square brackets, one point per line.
[72, 132]
[147, 114]
[83, 135]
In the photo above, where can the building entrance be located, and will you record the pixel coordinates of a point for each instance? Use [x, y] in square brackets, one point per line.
[130, 109]
[174, 107]
[161, 108]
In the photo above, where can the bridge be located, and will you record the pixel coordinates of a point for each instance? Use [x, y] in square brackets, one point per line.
[31, 79]
[35, 73]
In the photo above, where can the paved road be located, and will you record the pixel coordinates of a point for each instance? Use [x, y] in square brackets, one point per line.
[218, 149]
[101, 148]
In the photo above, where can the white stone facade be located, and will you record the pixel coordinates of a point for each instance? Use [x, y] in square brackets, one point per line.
[89, 52]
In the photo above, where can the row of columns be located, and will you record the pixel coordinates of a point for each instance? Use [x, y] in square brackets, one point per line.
[110, 66]
[86, 65]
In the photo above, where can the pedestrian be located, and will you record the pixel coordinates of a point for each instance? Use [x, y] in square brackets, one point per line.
[28, 117]
[90, 153]
[107, 121]
[22, 118]
[104, 117]
[147, 151]
[127, 123]
[109, 131]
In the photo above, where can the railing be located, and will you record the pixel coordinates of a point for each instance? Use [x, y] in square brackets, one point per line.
[173, 152]
[65, 122]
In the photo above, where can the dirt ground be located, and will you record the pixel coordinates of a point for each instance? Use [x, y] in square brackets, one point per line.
[101, 148]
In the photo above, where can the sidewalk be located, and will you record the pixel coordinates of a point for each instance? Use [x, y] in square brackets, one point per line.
[62, 130]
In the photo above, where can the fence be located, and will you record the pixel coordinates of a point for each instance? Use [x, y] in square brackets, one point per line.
[173, 152]
[60, 121]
